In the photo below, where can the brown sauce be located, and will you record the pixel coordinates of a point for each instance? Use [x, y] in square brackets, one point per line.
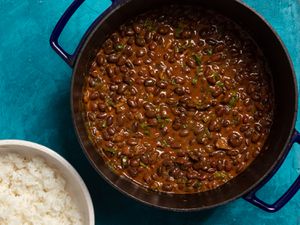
[179, 100]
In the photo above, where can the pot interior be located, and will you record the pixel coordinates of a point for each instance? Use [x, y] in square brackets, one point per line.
[284, 116]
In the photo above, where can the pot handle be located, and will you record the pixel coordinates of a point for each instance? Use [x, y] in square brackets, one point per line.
[284, 199]
[68, 58]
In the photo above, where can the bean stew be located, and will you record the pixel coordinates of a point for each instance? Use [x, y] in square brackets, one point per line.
[179, 100]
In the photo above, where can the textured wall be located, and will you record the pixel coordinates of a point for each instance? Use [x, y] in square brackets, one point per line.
[34, 96]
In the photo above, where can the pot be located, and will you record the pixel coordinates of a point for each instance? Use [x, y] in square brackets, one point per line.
[281, 138]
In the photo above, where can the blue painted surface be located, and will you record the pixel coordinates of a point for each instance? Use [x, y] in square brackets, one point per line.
[35, 90]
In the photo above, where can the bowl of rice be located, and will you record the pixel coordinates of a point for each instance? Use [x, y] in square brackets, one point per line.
[38, 186]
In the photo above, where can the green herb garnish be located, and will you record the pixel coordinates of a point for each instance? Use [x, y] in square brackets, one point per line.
[178, 31]
[233, 100]
[111, 150]
[109, 102]
[195, 79]
[146, 128]
[159, 119]
[168, 120]
[162, 121]
[197, 185]
[173, 81]
[149, 25]
[119, 47]
[209, 51]
[216, 75]
[103, 124]
[164, 143]
[143, 164]
[197, 59]
[220, 83]
[220, 175]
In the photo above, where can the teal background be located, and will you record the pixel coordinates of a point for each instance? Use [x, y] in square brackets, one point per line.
[35, 106]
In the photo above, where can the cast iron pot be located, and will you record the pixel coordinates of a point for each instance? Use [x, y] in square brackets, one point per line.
[282, 135]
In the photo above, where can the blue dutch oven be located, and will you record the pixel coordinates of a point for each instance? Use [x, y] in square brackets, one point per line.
[282, 136]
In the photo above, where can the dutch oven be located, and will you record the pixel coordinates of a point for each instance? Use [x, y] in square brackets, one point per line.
[282, 135]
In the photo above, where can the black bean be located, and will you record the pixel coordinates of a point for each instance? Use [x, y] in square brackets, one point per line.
[176, 125]
[179, 91]
[111, 131]
[109, 120]
[144, 159]
[148, 61]
[183, 132]
[255, 137]
[121, 61]
[113, 58]
[164, 130]
[130, 41]
[137, 28]
[137, 62]
[128, 79]
[139, 41]
[152, 46]
[132, 142]
[109, 71]
[258, 128]
[150, 113]
[191, 63]
[240, 167]
[129, 64]
[129, 31]
[167, 163]
[121, 88]
[132, 103]
[94, 95]
[167, 187]
[148, 36]
[148, 106]
[163, 29]
[147, 178]
[172, 101]
[101, 60]
[228, 165]
[108, 50]
[128, 51]
[162, 84]
[140, 52]
[133, 172]
[175, 145]
[214, 125]
[174, 172]
[244, 128]
[216, 91]
[101, 115]
[92, 83]
[101, 107]
[106, 136]
[256, 96]
[149, 83]
[235, 139]
[186, 34]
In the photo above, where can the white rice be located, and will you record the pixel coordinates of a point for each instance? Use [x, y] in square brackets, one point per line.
[32, 193]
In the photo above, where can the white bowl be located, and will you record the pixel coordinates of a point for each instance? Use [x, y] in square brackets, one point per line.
[74, 183]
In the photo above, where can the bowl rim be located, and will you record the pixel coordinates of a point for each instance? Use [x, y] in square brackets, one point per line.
[61, 160]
